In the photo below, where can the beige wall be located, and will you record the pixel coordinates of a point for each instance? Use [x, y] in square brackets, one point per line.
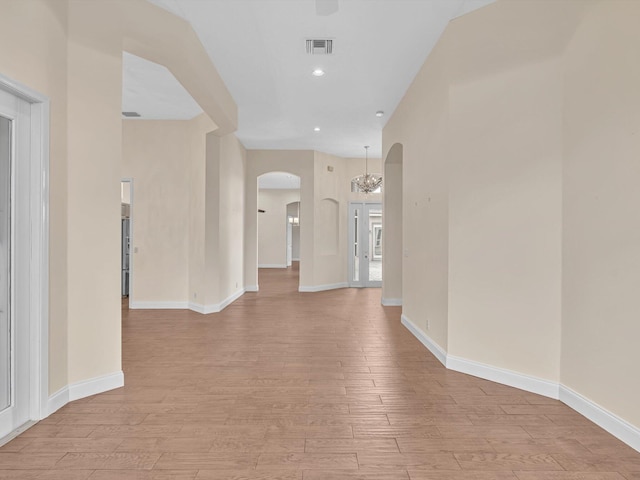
[519, 189]
[601, 198]
[156, 155]
[272, 226]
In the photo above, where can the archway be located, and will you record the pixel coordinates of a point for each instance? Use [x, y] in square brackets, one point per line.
[392, 227]
[279, 216]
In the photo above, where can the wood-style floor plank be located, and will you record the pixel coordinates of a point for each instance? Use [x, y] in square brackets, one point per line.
[284, 385]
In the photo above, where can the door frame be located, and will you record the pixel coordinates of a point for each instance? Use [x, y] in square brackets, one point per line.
[131, 226]
[37, 190]
[362, 283]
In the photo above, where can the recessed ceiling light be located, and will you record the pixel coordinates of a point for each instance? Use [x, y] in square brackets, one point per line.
[318, 72]
[379, 113]
[317, 129]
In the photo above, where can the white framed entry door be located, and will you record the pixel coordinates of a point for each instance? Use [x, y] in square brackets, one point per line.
[365, 245]
[15, 119]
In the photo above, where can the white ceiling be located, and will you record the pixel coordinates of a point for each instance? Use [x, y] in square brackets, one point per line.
[278, 180]
[258, 47]
[152, 91]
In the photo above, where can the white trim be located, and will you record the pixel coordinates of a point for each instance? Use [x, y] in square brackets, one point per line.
[159, 305]
[610, 422]
[391, 302]
[504, 376]
[230, 299]
[272, 265]
[39, 239]
[96, 385]
[432, 346]
[216, 307]
[85, 388]
[294, 259]
[613, 424]
[252, 288]
[57, 401]
[322, 288]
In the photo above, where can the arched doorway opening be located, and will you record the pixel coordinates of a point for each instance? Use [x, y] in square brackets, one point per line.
[393, 227]
[278, 221]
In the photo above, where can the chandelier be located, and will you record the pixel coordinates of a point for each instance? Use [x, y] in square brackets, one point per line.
[369, 182]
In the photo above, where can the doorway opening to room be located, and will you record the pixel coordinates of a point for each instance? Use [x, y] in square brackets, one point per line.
[126, 197]
[279, 223]
[365, 244]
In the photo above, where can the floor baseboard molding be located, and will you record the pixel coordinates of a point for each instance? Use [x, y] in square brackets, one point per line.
[322, 288]
[83, 389]
[610, 422]
[216, 307]
[272, 265]
[432, 346]
[391, 302]
[252, 288]
[159, 305]
[528, 383]
[96, 385]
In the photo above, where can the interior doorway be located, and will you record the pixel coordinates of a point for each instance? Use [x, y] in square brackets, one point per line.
[126, 197]
[365, 245]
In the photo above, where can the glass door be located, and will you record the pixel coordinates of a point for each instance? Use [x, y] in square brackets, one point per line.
[365, 245]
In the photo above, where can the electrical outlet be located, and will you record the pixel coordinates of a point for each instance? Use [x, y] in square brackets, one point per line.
[427, 324]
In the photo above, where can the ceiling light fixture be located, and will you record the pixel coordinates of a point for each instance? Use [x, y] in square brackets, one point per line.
[318, 72]
[368, 182]
[317, 129]
[379, 113]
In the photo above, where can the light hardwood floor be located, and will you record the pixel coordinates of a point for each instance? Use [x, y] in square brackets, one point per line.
[305, 386]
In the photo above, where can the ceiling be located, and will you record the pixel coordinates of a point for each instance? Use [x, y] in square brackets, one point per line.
[278, 180]
[258, 47]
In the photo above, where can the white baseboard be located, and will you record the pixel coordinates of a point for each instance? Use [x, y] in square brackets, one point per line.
[322, 288]
[57, 401]
[613, 424]
[432, 346]
[96, 385]
[610, 422]
[83, 389]
[216, 307]
[391, 302]
[159, 305]
[295, 259]
[505, 377]
[252, 288]
[272, 265]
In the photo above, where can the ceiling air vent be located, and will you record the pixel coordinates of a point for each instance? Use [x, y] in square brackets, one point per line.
[319, 46]
[130, 114]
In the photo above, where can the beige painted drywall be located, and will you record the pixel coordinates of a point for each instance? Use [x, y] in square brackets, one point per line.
[272, 225]
[601, 199]
[504, 219]
[519, 176]
[94, 136]
[330, 220]
[156, 154]
[38, 60]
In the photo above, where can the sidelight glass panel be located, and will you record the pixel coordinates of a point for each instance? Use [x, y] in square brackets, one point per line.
[355, 275]
[375, 245]
[5, 266]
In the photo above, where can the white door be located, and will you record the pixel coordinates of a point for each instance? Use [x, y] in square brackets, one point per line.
[365, 245]
[14, 264]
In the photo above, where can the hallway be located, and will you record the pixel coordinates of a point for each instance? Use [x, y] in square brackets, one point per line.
[315, 386]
